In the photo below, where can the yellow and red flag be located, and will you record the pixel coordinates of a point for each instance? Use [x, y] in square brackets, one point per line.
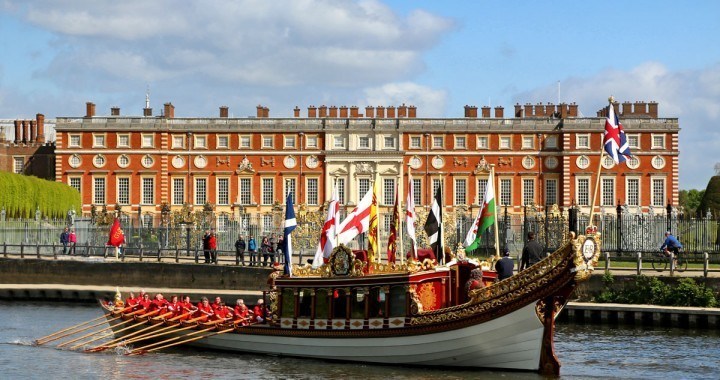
[392, 240]
[117, 236]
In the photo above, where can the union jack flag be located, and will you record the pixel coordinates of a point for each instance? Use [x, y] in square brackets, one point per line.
[615, 141]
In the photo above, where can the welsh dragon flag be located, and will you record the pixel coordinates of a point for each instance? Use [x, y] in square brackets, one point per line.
[485, 218]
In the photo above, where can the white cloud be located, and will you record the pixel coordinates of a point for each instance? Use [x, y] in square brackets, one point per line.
[692, 96]
[429, 102]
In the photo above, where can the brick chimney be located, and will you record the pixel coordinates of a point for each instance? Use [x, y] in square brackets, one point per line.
[33, 131]
[266, 112]
[653, 109]
[344, 112]
[573, 110]
[626, 109]
[370, 111]
[402, 110]
[89, 109]
[391, 112]
[259, 112]
[485, 111]
[224, 111]
[380, 112]
[296, 111]
[354, 112]
[147, 111]
[169, 110]
[412, 112]
[333, 111]
[26, 131]
[41, 127]
[640, 108]
[323, 111]
[312, 112]
[115, 111]
[563, 110]
[470, 111]
[18, 131]
[518, 110]
[499, 112]
[529, 112]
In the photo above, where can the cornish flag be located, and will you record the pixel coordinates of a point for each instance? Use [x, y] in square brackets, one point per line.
[290, 224]
[615, 141]
[433, 226]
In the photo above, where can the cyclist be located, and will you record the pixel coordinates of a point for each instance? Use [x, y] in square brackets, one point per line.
[671, 244]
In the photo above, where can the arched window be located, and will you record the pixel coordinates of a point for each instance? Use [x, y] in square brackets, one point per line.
[398, 301]
[377, 303]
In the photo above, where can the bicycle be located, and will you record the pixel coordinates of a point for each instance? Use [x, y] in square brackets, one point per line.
[661, 261]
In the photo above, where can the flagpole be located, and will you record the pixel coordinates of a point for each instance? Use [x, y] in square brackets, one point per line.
[337, 222]
[597, 181]
[398, 222]
[495, 212]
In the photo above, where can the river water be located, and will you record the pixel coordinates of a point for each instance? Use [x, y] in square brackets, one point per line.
[585, 351]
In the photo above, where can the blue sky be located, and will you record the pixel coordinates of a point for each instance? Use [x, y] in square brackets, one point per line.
[436, 55]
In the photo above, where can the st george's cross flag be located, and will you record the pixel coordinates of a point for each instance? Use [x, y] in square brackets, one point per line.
[329, 231]
[358, 221]
[290, 224]
[615, 141]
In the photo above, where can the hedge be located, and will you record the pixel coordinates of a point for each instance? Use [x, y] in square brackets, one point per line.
[22, 195]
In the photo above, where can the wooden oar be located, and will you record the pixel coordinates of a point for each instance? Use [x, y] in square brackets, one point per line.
[121, 340]
[108, 328]
[76, 331]
[142, 350]
[154, 333]
[134, 333]
[189, 340]
[44, 339]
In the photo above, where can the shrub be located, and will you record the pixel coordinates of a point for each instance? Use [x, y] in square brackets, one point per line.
[650, 290]
[21, 195]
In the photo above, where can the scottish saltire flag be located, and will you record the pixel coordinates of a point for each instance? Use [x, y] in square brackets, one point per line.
[615, 141]
[290, 224]
[433, 226]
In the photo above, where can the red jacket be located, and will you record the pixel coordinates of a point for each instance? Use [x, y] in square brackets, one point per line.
[212, 242]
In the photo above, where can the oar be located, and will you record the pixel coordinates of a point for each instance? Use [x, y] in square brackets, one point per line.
[121, 340]
[137, 350]
[103, 336]
[45, 338]
[190, 340]
[75, 331]
[150, 334]
[108, 328]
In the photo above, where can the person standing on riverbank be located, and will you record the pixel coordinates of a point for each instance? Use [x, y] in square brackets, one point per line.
[65, 240]
[532, 252]
[240, 251]
[206, 246]
[72, 239]
[252, 247]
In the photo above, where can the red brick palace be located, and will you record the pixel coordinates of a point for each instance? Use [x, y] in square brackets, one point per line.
[544, 154]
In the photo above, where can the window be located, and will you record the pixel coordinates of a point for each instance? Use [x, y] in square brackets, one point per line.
[311, 142]
[582, 141]
[437, 183]
[632, 162]
[148, 161]
[18, 165]
[415, 142]
[200, 142]
[75, 161]
[658, 162]
[481, 186]
[483, 142]
[633, 192]
[608, 192]
[123, 140]
[338, 142]
[460, 191]
[223, 191]
[388, 191]
[245, 142]
[99, 191]
[75, 183]
[222, 222]
[148, 141]
[98, 140]
[658, 142]
[289, 142]
[658, 192]
[267, 224]
[268, 192]
[363, 142]
[312, 191]
[528, 191]
[74, 141]
[528, 142]
[267, 142]
[389, 142]
[506, 192]
[99, 160]
[123, 196]
[551, 142]
[363, 187]
[178, 142]
[290, 190]
[583, 191]
[148, 191]
[178, 191]
[583, 162]
[438, 142]
[245, 191]
[417, 191]
[460, 142]
[633, 141]
[223, 142]
[551, 191]
[505, 142]
[123, 161]
[341, 190]
[200, 191]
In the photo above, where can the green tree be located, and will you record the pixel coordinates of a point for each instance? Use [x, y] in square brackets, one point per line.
[690, 200]
[711, 198]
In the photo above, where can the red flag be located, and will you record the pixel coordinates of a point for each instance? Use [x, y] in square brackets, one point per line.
[117, 236]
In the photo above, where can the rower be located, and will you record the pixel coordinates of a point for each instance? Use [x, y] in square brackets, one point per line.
[131, 300]
[186, 306]
[222, 313]
[174, 306]
[204, 310]
[159, 303]
[259, 311]
[144, 303]
[217, 303]
[241, 312]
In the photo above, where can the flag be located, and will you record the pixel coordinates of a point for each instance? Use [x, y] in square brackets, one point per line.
[392, 239]
[290, 224]
[117, 236]
[329, 231]
[358, 221]
[485, 218]
[433, 226]
[615, 141]
[373, 248]
[410, 216]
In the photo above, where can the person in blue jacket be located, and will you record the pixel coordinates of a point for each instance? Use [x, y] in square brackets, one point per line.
[252, 248]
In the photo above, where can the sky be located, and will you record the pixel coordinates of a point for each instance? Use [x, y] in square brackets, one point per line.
[436, 55]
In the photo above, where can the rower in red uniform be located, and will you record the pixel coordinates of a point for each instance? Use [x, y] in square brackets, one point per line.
[222, 313]
[259, 311]
[241, 313]
[204, 310]
[174, 307]
[159, 303]
[144, 303]
[217, 303]
[131, 301]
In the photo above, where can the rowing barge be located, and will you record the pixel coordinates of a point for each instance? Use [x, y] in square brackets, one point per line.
[413, 313]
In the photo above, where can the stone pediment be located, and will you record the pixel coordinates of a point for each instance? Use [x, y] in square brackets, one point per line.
[338, 172]
[390, 171]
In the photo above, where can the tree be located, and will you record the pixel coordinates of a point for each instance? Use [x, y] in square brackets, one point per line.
[711, 198]
[690, 200]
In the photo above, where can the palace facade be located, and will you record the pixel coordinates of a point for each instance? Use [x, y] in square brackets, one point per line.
[543, 154]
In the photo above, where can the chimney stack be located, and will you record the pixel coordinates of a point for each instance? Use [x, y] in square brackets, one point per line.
[147, 111]
[266, 112]
[344, 112]
[18, 131]
[370, 111]
[402, 110]
[33, 131]
[391, 112]
[380, 112]
[323, 111]
[224, 112]
[354, 112]
[573, 111]
[485, 111]
[333, 111]
[89, 109]
[296, 111]
[115, 111]
[41, 128]
[259, 113]
[653, 109]
[169, 110]
[518, 110]
[26, 131]
[312, 112]
[412, 112]
[470, 111]
[499, 112]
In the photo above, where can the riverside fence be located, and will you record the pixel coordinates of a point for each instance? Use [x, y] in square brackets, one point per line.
[624, 234]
